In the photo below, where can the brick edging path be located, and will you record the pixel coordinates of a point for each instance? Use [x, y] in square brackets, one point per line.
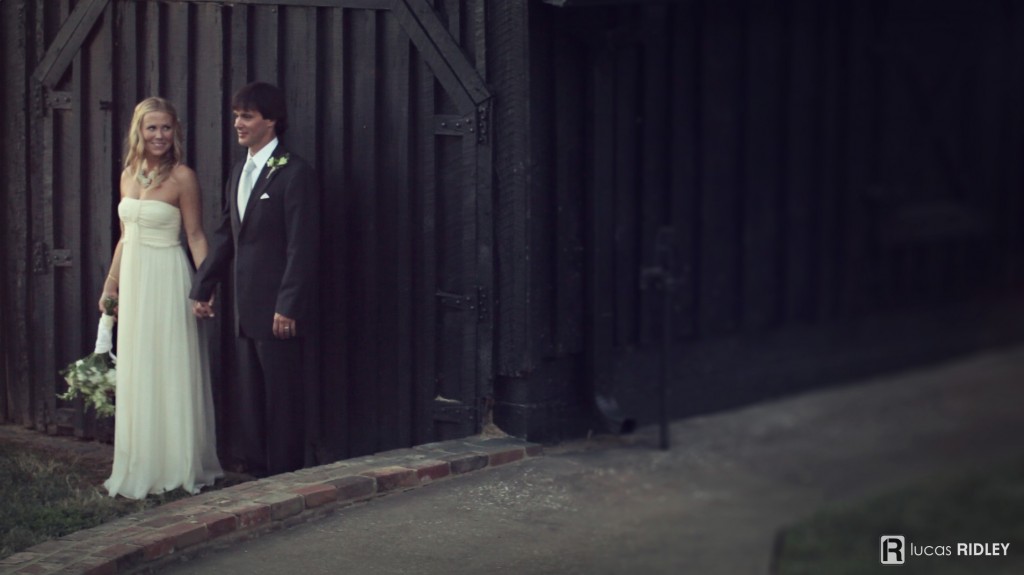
[188, 526]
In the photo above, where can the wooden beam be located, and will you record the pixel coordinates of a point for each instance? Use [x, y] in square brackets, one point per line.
[68, 41]
[444, 56]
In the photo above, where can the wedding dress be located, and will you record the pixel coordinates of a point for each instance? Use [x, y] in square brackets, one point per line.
[164, 434]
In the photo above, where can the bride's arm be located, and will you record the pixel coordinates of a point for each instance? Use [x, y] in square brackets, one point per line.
[191, 204]
[111, 284]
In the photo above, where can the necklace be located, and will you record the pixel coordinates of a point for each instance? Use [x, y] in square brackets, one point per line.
[145, 178]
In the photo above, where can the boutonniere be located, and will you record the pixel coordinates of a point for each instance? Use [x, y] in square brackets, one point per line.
[276, 164]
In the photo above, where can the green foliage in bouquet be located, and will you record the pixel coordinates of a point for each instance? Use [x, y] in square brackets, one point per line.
[94, 378]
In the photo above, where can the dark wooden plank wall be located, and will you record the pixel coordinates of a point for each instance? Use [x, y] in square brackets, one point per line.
[399, 224]
[788, 176]
[818, 161]
[15, 41]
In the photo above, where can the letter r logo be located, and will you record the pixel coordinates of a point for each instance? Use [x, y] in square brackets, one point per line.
[893, 548]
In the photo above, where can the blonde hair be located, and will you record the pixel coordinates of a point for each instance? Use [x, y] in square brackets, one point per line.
[135, 147]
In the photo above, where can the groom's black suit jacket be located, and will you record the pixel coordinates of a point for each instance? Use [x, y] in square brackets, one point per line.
[275, 247]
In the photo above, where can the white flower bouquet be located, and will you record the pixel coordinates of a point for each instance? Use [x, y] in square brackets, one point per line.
[94, 378]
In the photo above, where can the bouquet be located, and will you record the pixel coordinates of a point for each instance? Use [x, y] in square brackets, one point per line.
[93, 377]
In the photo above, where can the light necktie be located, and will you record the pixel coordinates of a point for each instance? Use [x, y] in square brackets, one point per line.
[245, 186]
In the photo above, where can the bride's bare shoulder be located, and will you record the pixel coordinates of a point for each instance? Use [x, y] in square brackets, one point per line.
[182, 175]
[126, 179]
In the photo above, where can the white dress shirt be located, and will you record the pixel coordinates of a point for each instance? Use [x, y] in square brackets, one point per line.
[259, 160]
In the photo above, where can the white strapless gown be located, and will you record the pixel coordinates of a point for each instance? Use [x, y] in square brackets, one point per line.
[164, 434]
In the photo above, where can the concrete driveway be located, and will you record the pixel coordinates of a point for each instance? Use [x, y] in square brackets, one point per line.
[713, 503]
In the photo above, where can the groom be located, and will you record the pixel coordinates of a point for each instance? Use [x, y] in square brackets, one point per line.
[271, 228]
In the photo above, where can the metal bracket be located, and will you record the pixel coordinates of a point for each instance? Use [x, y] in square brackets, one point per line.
[40, 259]
[462, 302]
[457, 301]
[43, 258]
[454, 125]
[483, 119]
[58, 100]
[60, 258]
[482, 310]
[453, 411]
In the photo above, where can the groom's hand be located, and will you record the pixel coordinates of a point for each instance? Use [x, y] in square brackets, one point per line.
[284, 327]
[203, 309]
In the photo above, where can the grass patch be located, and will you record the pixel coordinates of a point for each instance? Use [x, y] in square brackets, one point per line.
[983, 507]
[47, 494]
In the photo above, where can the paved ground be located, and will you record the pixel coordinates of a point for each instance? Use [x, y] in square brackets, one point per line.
[712, 504]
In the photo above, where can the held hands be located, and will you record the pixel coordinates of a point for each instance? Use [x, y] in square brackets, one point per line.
[203, 309]
[284, 327]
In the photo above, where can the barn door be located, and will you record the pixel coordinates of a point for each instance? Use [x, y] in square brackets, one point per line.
[394, 115]
[458, 185]
[71, 191]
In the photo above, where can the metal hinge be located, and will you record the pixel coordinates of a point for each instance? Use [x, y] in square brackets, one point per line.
[448, 125]
[478, 302]
[43, 258]
[483, 120]
[453, 411]
[59, 100]
[482, 305]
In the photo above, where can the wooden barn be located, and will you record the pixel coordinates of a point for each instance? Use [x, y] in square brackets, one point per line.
[539, 212]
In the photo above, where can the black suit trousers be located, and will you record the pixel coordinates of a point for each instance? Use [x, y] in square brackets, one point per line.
[268, 431]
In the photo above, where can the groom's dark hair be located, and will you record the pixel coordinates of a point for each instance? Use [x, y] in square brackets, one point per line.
[267, 99]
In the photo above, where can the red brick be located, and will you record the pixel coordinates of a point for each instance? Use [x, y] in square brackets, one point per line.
[116, 550]
[20, 558]
[317, 495]
[354, 487]
[392, 478]
[155, 545]
[282, 505]
[96, 566]
[163, 521]
[47, 547]
[38, 569]
[431, 469]
[508, 456]
[125, 533]
[186, 534]
[316, 477]
[182, 505]
[249, 514]
[65, 557]
[534, 450]
[466, 462]
[218, 522]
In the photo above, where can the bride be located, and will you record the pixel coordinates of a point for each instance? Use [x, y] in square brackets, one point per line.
[164, 435]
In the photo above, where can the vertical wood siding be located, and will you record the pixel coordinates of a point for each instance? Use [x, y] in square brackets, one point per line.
[819, 162]
[806, 154]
